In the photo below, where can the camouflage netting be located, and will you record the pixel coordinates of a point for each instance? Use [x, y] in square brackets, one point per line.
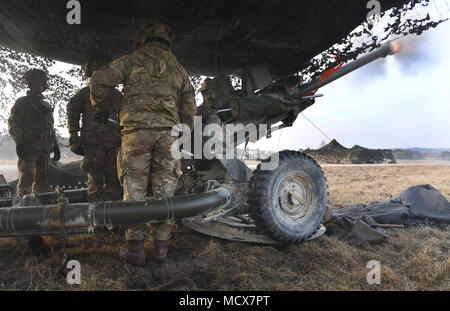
[61, 85]
[413, 19]
[335, 153]
[402, 154]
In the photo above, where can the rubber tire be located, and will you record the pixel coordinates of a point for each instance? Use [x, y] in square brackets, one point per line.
[263, 198]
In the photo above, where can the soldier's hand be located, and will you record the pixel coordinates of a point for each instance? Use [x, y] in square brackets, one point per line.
[22, 152]
[101, 117]
[56, 154]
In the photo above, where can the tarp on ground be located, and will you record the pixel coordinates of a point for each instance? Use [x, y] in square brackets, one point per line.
[359, 224]
[418, 204]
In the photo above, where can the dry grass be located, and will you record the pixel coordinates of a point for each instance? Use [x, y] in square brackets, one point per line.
[412, 259]
[364, 184]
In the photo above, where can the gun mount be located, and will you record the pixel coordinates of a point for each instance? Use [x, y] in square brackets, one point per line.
[217, 196]
[272, 102]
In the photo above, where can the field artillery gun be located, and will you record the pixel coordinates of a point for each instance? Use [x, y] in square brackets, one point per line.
[283, 200]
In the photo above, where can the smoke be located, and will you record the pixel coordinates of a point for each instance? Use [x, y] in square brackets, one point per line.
[416, 55]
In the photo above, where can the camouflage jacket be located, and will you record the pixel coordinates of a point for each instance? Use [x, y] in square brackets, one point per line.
[31, 123]
[157, 90]
[93, 132]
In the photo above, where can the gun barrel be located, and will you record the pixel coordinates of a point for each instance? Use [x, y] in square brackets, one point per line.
[383, 51]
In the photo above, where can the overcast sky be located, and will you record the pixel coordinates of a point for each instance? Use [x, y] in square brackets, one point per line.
[400, 102]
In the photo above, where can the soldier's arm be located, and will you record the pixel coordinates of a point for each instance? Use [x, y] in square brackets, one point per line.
[116, 102]
[74, 110]
[55, 139]
[56, 150]
[188, 108]
[15, 122]
[104, 81]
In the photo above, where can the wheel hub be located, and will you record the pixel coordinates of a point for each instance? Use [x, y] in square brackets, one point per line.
[296, 199]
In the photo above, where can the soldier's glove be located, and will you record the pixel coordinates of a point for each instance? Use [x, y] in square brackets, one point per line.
[101, 117]
[22, 152]
[56, 154]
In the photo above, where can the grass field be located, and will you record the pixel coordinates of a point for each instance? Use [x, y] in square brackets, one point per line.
[415, 258]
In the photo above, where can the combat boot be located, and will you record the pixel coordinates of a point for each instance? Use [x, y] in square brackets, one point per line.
[134, 254]
[38, 246]
[160, 248]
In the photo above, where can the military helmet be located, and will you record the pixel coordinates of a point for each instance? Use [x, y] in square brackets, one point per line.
[93, 65]
[34, 75]
[153, 29]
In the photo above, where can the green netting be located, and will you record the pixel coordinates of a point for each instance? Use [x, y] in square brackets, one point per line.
[412, 19]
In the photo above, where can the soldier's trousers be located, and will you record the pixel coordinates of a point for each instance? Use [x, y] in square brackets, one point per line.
[33, 174]
[100, 164]
[145, 158]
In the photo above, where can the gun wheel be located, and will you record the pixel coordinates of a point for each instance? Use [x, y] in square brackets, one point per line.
[290, 201]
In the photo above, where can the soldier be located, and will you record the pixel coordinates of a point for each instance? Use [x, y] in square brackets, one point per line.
[157, 96]
[98, 142]
[31, 127]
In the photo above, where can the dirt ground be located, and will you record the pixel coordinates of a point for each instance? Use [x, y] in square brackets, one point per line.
[415, 258]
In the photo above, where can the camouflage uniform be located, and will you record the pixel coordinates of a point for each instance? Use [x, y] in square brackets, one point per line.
[157, 96]
[98, 142]
[31, 125]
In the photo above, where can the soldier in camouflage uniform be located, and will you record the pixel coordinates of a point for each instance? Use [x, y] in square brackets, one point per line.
[31, 127]
[157, 96]
[98, 142]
